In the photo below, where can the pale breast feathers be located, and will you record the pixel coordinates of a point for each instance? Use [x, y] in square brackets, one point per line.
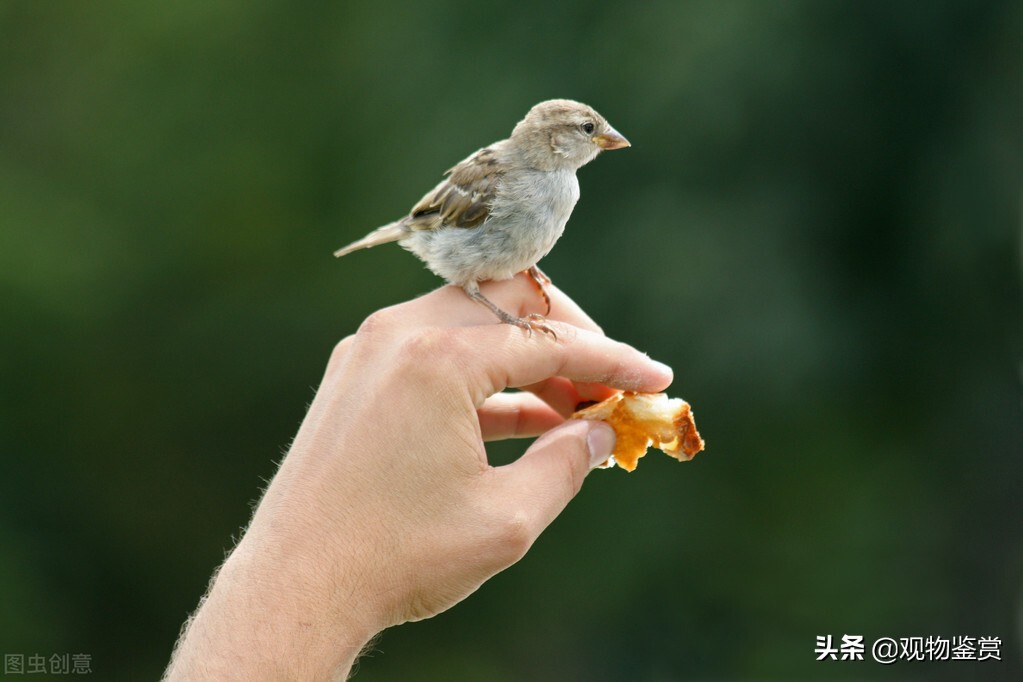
[464, 198]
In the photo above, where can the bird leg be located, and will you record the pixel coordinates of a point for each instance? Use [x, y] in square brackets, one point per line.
[531, 322]
[541, 281]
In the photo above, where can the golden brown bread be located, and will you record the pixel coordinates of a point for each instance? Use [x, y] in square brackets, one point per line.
[644, 419]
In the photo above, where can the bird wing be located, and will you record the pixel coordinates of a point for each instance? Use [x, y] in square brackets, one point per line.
[464, 198]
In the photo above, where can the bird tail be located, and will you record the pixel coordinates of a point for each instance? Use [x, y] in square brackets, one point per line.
[391, 232]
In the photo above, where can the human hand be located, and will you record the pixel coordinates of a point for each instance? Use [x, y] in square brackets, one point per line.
[385, 509]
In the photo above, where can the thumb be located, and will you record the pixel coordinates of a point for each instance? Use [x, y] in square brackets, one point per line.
[551, 472]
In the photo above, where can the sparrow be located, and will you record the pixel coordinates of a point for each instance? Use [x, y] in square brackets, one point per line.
[501, 210]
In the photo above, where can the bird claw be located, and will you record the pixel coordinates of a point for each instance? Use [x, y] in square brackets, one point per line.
[541, 281]
[535, 322]
[531, 322]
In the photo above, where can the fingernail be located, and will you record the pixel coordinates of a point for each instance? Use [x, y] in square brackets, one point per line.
[601, 443]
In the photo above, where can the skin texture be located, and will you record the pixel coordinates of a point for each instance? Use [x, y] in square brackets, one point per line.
[385, 509]
[504, 207]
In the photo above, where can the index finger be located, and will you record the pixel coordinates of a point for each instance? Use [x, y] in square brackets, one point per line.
[513, 359]
[449, 306]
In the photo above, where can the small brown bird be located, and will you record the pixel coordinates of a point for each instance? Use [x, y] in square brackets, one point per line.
[502, 209]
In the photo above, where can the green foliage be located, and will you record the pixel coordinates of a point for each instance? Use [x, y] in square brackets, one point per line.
[823, 199]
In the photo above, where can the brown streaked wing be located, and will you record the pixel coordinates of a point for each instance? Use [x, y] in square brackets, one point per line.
[464, 199]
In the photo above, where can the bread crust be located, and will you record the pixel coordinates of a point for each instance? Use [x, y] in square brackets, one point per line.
[644, 419]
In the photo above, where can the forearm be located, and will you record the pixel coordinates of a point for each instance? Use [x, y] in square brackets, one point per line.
[262, 621]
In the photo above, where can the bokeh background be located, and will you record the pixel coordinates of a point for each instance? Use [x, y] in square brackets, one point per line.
[818, 227]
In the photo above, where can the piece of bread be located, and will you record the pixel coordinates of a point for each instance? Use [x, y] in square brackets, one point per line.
[644, 419]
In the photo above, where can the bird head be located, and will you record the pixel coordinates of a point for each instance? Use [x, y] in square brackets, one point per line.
[560, 133]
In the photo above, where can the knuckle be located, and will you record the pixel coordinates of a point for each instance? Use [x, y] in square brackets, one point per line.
[515, 534]
[431, 349]
[566, 334]
[381, 321]
[341, 350]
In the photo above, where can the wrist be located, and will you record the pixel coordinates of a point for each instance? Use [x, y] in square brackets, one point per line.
[271, 618]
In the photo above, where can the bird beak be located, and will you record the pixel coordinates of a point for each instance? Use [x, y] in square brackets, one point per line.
[612, 139]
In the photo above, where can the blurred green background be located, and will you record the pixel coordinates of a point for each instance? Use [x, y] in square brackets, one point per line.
[823, 200]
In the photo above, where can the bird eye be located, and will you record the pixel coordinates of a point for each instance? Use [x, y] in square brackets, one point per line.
[588, 128]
